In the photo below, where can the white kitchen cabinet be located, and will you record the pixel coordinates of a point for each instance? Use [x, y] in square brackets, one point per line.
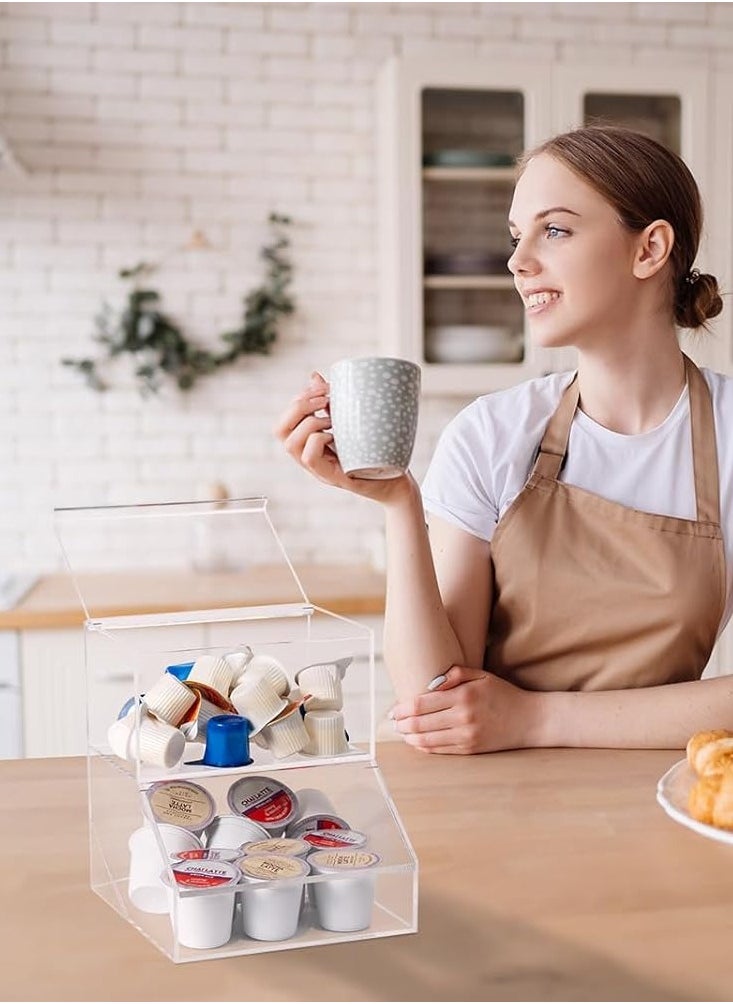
[436, 108]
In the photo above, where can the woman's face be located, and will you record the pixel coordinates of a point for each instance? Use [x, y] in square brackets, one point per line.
[573, 258]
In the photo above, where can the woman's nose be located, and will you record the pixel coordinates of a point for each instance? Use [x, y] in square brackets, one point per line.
[521, 261]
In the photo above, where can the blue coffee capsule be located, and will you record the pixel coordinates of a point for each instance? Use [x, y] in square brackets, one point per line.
[180, 669]
[227, 742]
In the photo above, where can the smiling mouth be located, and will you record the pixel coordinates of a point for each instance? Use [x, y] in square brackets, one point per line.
[537, 302]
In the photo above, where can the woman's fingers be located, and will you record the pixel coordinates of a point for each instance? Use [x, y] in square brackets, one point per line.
[301, 407]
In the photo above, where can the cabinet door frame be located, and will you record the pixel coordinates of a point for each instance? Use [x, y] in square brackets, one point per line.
[400, 85]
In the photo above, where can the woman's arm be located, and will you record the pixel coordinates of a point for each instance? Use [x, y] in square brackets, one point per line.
[438, 595]
[479, 713]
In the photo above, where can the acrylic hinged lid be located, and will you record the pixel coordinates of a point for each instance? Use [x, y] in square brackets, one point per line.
[177, 557]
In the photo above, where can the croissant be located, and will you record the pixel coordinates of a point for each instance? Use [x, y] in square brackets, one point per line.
[699, 741]
[711, 800]
[710, 754]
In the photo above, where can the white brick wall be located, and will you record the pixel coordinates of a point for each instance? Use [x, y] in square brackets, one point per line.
[143, 121]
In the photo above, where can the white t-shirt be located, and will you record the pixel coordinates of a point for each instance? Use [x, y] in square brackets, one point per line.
[484, 457]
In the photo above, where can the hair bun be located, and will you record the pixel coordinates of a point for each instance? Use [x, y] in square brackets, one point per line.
[698, 299]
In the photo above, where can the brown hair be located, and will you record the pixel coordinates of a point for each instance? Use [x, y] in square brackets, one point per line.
[644, 181]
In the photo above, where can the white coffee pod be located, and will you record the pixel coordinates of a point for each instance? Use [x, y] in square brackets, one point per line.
[149, 740]
[239, 662]
[326, 736]
[323, 683]
[228, 830]
[145, 888]
[202, 919]
[272, 670]
[214, 671]
[272, 895]
[312, 801]
[256, 699]
[286, 734]
[169, 699]
[345, 901]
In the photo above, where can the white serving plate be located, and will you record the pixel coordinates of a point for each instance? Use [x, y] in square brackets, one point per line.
[673, 790]
[473, 343]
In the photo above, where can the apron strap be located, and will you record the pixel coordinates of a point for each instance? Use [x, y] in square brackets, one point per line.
[554, 443]
[704, 449]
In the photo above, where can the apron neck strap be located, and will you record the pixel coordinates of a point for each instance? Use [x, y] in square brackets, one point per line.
[554, 443]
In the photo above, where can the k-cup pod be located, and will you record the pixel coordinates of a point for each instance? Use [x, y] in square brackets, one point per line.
[233, 831]
[180, 670]
[212, 703]
[344, 902]
[285, 734]
[150, 741]
[322, 683]
[213, 671]
[227, 742]
[257, 700]
[271, 669]
[313, 800]
[334, 839]
[326, 736]
[265, 801]
[239, 662]
[129, 706]
[169, 699]
[144, 887]
[287, 846]
[272, 895]
[203, 920]
[232, 854]
[316, 821]
[181, 803]
[374, 408]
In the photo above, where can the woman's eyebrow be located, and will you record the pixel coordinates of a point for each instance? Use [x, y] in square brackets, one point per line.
[549, 212]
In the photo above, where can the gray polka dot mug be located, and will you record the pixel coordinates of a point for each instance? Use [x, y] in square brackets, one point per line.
[374, 407]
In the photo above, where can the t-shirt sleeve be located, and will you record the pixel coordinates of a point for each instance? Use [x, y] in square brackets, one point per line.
[456, 486]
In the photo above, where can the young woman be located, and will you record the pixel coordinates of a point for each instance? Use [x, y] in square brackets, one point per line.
[578, 564]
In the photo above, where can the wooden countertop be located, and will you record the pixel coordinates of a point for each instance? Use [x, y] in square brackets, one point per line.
[53, 603]
[544, 875]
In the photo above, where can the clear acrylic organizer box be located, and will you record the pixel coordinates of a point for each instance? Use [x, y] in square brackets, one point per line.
[255, 599]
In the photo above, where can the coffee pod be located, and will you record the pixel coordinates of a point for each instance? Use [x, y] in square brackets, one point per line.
[316, 821]
[180, 669]
[271, 669]
[313, 800]
[258, 701]
[182, 803]
[286, 734]
[326, 736]
[144, 886]
[202, 921]
[239, 662]
[233, 831]
[213, 671]
[345, 900]
[287, 846]
[334, 839]
[169, 699]
[265, 801]
[227, 742]
[322, 683]
[150, 741]
[272, 895]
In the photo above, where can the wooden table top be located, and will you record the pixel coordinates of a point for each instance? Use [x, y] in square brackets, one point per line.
[544, 875]
[53, 603]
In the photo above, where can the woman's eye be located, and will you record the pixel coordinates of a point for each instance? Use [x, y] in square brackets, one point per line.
[554, 231]
[513, 241]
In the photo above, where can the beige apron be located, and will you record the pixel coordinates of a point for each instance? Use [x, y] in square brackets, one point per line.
[592, 595]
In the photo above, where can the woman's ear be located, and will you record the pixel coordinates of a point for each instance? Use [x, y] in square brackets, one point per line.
[654, 246]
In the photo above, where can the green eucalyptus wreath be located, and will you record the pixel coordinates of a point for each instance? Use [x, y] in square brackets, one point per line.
[160, 348]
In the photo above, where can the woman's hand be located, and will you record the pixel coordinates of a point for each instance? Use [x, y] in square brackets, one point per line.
[308, 439]
[470, 712]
